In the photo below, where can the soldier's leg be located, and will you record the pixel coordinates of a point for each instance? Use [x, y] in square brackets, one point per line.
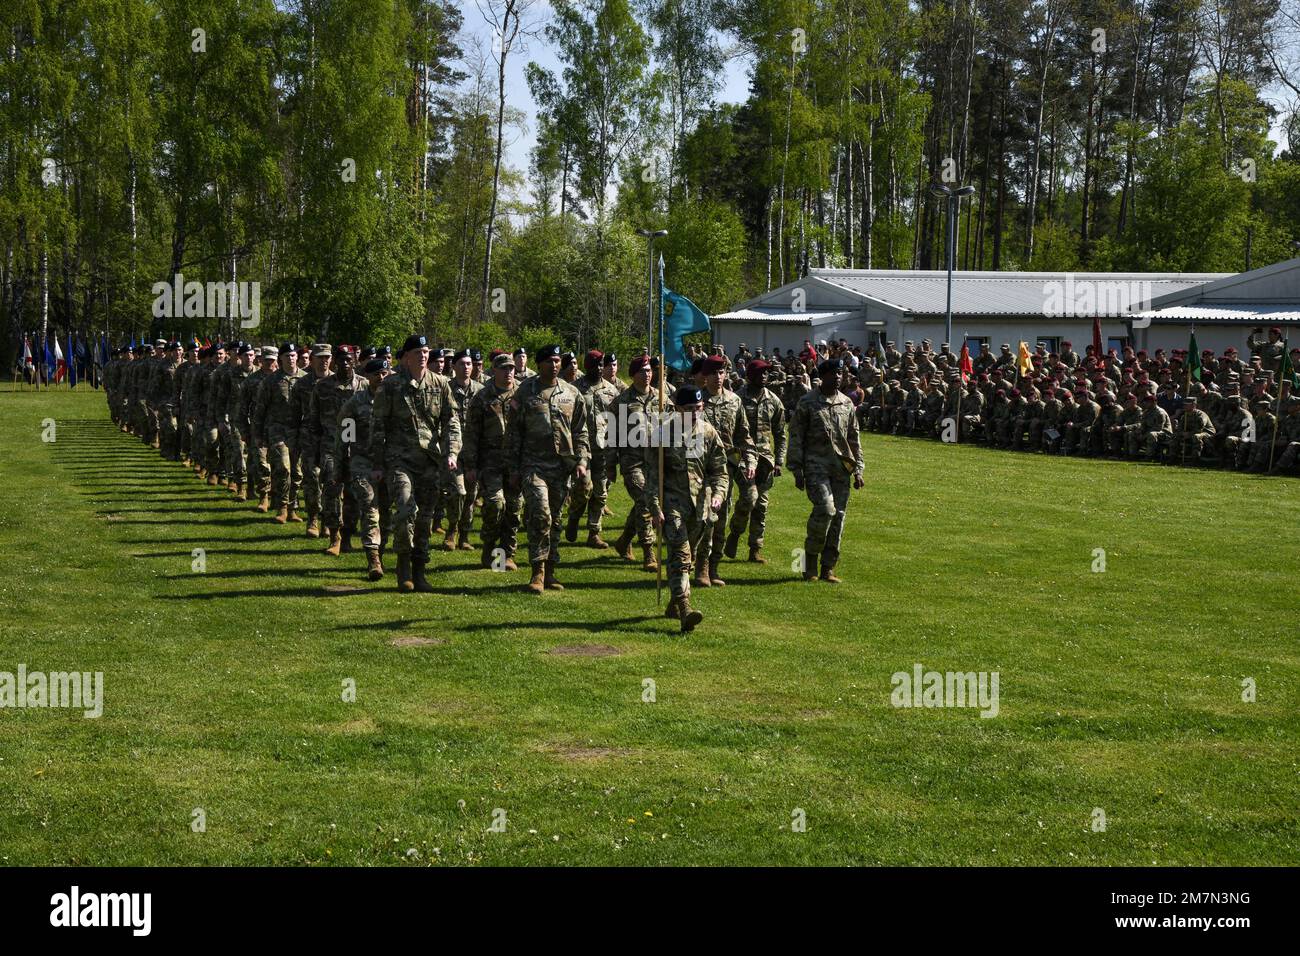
[508, 536]
[494, 505]
[295, 479]
[401, 485]
[822, 496]
[839, 485]
[583, 494]
[278, 455]
[1288, 456]
[746, 497]
[638, 518]
[363, 493]
[763, 481]
[599, 473]
[537, 516]
[466, 519]
[677, 536]
[331, 494]
[238, 459]
[310, 480]
[453, 504]
[425, 495]
[212, 442]
[557, 492]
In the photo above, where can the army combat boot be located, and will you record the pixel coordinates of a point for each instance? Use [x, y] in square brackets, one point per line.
[449, 541]
[264, 504]
[828, 575]
[375, 567]
[810, 569]
[538, 583]
[336, 542]
[463, 541]
[417, 574]
[404, 582]
[212, 478]
[624, 543]
[594, 540]
[313, 526]
[729, 549]
[716, 581]
[485, 557]
[673, 610]
[242, 494]
[571, 529]
[649, 562]
[282, 515]
[689, 616]
[756, 555]
[702, 578]
[549, 581]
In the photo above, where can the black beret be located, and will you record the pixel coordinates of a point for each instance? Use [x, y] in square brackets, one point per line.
[476, 355]
[414, 342]
[287, 347]
[546, 352]
[373, 366]
[463, 353]
[829, 367]
[687, 395]
[609, 359]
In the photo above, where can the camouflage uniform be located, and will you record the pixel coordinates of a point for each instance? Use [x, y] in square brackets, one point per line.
[1153, 433]
[726, 413]
[694, 473]
[630, 408]
[324, 404]
[546, 439]
[369, 499]
[303, 448]
[459, 495]
[218, 403]
[275, 427]
[483, 453]
[164, 383]
[1194, 430]
[258, 466]
[1234, 433]
[412, 428]
[236, 431]
[591, 494]
[765, 419]
[825, 454]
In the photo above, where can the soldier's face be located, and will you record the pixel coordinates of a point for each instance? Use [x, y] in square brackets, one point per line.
[713, 381]
[220, 356]
[549, 367]
[609, 372]
[416, 361]
[521, 363]
[320, 365]
[290, 358]
[504, 377]
[464, 366]
[641, 377]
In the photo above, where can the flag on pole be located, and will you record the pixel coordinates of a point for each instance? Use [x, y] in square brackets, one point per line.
[967, 368]
[60, 367]
[1193, 359]
[1286, 375]
[1024, 364]
[27, 351]
[1097, 350]
[72, 361]
[678, 317]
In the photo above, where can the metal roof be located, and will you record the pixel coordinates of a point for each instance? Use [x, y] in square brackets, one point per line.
[1063, 294]
[787, 316]
[1242, 313]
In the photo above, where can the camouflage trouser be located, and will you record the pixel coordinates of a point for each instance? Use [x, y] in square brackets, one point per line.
[169, 441]
[458, 496]
[1152, 443]
[236, 464]
[1114, 438]
[591, 493]
[1077, 438]
[1235, 450]
[682, 531]
[1290, 451]
[1189, 445]
[828, 490]
[212, 456]
[972, 427]
[545, 490]
[500, 512]
[751, 502]
[140, 419]
[1026, 433]
[710, 550]
[286, 470]
[414, 489]
[1259, 452]
[337, 507]
[257, 467]
[307, 465]
[372, 506]
[638, 518]
[185, 430]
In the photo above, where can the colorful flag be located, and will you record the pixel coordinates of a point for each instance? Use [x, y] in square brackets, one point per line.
[1286, 376]
[1097, 350]
[60, 366]
[1024, 364]
[678, 317]
[1193, 359]
[27, 351]
[967, 368]
[72, 361]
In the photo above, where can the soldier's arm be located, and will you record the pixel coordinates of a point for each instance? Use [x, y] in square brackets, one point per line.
[744, 439]
[779, 439]
[473, 432]
[260, 402]
[378, 423]
[581, 433]
[855, 446]
[450, 424]
[715, 469]
[514, 440]
[798, 422]
[650, 457]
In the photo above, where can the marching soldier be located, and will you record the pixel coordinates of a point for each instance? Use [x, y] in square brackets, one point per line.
[483, 459]
[274, 427]
[726, 414]
[328, 396]
[413, 432]
[765, 415]
[636, 408]
[458, 493]
[547, 445]
[352, 444]
[824, 452]
[303, 446]
[164, 386]
[258, 466]
[695, 485]
[589, 496]
[230, 423]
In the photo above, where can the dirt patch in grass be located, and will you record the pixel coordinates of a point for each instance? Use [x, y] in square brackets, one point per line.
[414, 641]
[344, 589]
[582, 753]
[586, 650]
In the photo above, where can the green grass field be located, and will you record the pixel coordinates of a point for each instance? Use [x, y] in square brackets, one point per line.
[1119, 690]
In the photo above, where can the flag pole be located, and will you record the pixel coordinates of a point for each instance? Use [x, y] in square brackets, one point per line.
[663, 384]
[1277, 414]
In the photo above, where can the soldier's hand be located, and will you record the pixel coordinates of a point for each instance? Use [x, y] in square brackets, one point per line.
[658, 519]
[580, 472]
[451, 462]
[858, 482]
[716, 504]
[749, 473]
[376, 475]
[798, 481]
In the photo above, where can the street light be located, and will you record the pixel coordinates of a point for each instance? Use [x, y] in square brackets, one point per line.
[650, 286]
[954, 197]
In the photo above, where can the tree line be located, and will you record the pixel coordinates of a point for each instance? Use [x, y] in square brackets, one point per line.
[349, 156]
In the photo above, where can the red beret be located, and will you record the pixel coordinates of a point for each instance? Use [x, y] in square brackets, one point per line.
[756, 366]
[638, 363]
[712, 364]
[592, 358]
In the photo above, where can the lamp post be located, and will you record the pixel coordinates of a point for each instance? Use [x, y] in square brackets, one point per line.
[954, 196]
[650, 238]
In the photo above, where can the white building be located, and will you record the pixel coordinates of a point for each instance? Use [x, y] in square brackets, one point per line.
[1147, 310]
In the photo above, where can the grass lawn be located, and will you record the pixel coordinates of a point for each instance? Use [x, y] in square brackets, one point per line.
[1119, 690]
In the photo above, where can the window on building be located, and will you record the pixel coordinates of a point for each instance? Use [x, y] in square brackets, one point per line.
[973, 342]
[1116, 343]
[1050, 343]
